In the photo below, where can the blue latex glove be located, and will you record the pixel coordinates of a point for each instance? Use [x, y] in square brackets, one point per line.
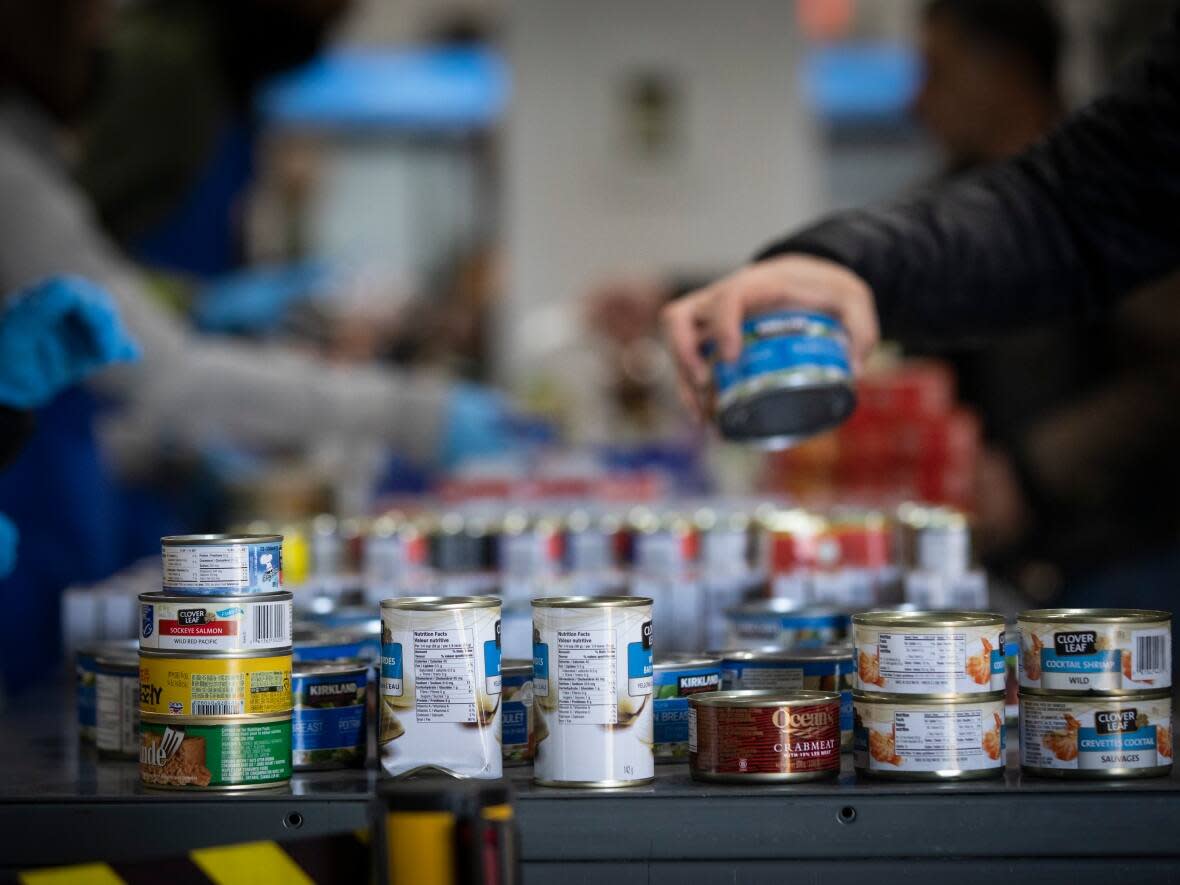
[256, 299]
[477, 424]
[9, 537]
[53, 335]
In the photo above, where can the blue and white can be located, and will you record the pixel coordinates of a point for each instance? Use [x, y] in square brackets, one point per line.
[328, 723]
[222, 565]
[86, 681]
[677, 676]
[784, 623]
[516, 716]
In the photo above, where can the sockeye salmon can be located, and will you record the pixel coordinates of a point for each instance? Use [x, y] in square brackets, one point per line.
[677, 677]
[516, 714]
[222, 565]
[792, 380]
[116, 696]
[209, 753]
[1064, 735]
[785, 624]
[85, 677]
[441, 686]
[316, 643]
[592, 691]
[767, 736]
[215, 624]
[1079, 650]
[915, 737]
[328, 722]
[925, 653]
[817, 669]
[192, 684]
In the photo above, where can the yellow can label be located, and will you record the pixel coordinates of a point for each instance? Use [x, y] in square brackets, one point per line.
[214, 686]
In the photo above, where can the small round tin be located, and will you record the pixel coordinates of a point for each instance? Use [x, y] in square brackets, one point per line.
[516, 717]
[215, 624]
[193, 684]
[85, 676]
[766, 736]
[784, 623]
[116, 696]
[222, 565]
[677, 677]
[328, 721]
[209, 753]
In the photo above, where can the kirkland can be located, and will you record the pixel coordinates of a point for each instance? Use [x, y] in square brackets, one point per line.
[312, 643]
[328, 722]
[1072, 650]
[85, 676]
[783, 623]
[208, 753]
[922, 652]
[829, 668]
[766, 736]
[215, 624]
[516, 716]
[214, 565]
[592, 686]
[192, 684]
[677, 676]
[792, 380]
[116, 702]
[440, 685]
[915, 737]
[1064, 735]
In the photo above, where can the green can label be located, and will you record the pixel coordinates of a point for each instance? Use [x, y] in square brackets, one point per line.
[191, 755]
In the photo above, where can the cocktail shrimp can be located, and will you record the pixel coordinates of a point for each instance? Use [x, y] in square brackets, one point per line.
[592, 691]
[768, 736]
[516, 715]
[328, 722]
[1066, 735]
[116, 699]
[441, 686]
[215, 624]
[209, 753]
[222, 565]
[1083, 650]
[915, 737]
[678, 676]
[195, 684]
[922, 652]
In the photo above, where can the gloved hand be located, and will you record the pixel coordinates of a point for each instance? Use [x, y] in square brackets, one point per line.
[256, 299]
[9, 537]
[477, 424]
[53, 335]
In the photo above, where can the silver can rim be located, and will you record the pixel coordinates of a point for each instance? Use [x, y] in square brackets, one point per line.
[439, 603]
[592, 602]
[763, 697]
[213, 539]
[928, 619]
[1082, 616]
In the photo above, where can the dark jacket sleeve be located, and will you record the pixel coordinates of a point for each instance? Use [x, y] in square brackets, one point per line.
[1086, 215]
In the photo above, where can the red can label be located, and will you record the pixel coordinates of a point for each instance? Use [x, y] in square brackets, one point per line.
[787, 739]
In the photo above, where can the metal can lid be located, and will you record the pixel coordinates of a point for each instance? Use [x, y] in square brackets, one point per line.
[228, 721]
[157, 596]
[1049, 694]
[516, 667]
[591, 602]
[438, 603]
[778, 654]
[902, 700]
[259, 654]
[201, 540]
[336, 667]
[1093, 616]
[680, 660]
[763, 698]
[927, 619]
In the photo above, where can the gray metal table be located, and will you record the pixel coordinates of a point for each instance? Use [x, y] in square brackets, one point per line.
[60, 804]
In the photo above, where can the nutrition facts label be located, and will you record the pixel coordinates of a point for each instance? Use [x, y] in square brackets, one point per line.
[915, 657]
[772, 677]
[586, 677]
[444, 675]
[931, 737]
[206, 567]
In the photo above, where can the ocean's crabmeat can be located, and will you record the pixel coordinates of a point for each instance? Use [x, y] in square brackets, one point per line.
[214, 624]
[116, 702]
[769, 736]
[677, 677]
[921, 652]
[829, 668]
[1083, 650]
[784, 623]
[1064, 735]
[328, 721]
[222, 565]
[440, 685]
[209, 753]
[592, 691]
[516, 711]
[792, 380]
[915, 737]
[195, 684]
[85, 678]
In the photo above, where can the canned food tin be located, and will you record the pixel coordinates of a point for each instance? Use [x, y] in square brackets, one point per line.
[319, 644]
[216, 565]
[677, 676]
[1064, 735]
[176, 684]
[921, 652]
[915, 737]
[516, 717]
[792, 380]
[785, 624]
[328, 722]
[592, 686]
[208, 753]
[1095, 649]
[773, 736]
[829, 668]
[85, 676]
[116, 696]
[440, 685]
[215, 623]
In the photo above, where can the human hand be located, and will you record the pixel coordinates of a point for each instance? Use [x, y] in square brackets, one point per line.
[715, 313]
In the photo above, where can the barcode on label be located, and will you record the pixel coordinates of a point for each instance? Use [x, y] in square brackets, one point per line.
[218, 708]
[269, 623]
[1150, 655]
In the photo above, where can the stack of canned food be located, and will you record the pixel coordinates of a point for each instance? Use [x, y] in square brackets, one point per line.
[1095, 692]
